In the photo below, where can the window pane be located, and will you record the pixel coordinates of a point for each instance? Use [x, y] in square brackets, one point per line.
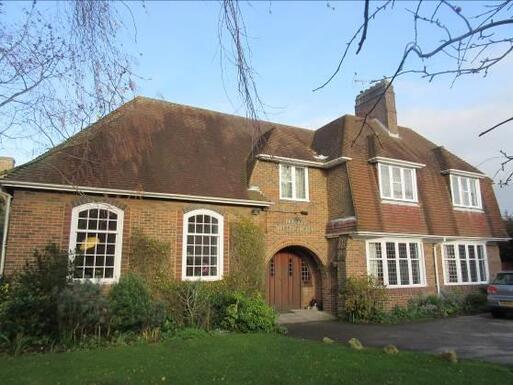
[473, 192]
[403, 264]
[472, 263]
[376, 261]
[385, 181]
[455, 190]
[450, 264]
[286, 181]
[408, 183]
[300, 183]
[465, 191]
[415, 263]
[481, 261]
[396, 183]
[463, 262]
[391, 263]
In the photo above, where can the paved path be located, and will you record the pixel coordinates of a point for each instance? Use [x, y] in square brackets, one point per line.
[479, 336]
[304, 315]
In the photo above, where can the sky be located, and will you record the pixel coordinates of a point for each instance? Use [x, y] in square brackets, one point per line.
[295, 46]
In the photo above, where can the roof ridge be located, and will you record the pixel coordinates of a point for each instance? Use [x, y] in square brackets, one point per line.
[155, 100]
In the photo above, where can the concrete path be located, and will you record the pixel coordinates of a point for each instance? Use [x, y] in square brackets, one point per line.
[478, 337]
[303, 316]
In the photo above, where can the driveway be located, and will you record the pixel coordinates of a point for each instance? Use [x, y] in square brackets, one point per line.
[479, 336]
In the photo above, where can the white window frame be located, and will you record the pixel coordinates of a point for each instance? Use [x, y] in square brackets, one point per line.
[220, 245]
[460, 282]
[468, 179]
[396, 241]
[403, 184]
[294, 192]
[118, 251]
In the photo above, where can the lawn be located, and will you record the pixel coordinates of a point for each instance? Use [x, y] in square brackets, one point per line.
[243, 359]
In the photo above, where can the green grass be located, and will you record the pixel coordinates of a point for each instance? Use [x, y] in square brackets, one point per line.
[243, 359]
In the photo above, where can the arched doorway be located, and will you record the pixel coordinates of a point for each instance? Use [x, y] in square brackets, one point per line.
[293, 279]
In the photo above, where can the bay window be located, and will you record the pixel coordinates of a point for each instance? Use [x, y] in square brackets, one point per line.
[396, 263]
[465, 263]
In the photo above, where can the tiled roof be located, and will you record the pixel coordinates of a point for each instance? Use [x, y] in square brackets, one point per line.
[154, 146]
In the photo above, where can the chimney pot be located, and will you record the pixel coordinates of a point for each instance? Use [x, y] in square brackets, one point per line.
[385, 110]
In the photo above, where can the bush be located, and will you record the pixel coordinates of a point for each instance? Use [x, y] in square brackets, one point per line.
[131, 305]
[475, 302]
[363, 299]
[247, 257]
[82, 311]
[190, 303]
[246, 314]
[210, 305]
[31, 307]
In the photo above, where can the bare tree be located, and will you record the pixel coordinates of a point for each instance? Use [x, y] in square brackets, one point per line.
[473, 41]
[60, 68]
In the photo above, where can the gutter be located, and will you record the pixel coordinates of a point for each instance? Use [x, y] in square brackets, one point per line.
[302, 162]
[444, 238]
[133, 193]
[8, 199]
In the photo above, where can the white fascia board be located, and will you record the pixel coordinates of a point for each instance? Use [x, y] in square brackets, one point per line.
[453, 171]
[396, 162]
[302, 162]
[140, 194]
[439, 238]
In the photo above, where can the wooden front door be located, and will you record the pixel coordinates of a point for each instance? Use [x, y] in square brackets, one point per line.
[284, 281]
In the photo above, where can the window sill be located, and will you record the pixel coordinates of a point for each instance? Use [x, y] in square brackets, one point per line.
[97, 281]
[465, 283]
[470, 209]
[393, 287]
[295, 200]
[202, 279]
[399, 202]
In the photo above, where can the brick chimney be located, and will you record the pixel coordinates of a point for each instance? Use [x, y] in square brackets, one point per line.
[6, 163]
[385, 110]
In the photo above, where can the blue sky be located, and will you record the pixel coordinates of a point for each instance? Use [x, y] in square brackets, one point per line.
[295, 47]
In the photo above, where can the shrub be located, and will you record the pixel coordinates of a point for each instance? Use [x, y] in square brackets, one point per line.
[248, 314]
[132, 307]
[31, 307]
[247, 257]
[363, 299]
[475, 302]
[82, 311]
[190, 303]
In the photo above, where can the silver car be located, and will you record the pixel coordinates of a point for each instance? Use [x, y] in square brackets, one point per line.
[500, 294]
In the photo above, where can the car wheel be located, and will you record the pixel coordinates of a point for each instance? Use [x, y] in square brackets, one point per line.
[497, 313]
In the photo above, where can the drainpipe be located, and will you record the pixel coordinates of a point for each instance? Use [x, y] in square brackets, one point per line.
[436, 269]
[7, 198]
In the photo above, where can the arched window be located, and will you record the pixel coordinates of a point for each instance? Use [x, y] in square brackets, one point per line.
[96, 242]
[202, 245]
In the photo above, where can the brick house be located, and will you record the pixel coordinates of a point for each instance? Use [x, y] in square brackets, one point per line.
[336, 202]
